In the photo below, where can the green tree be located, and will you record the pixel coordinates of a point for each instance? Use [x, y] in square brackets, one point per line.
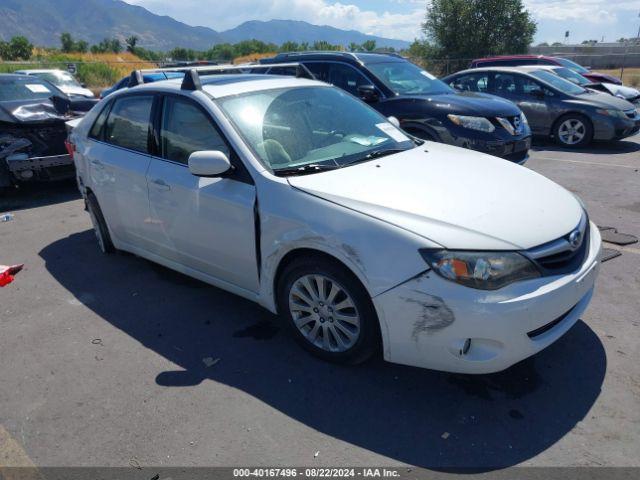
[369, 45]
[355, 47]
[474, 28]
[131, 42]
[81, 46]
[324, 45]
[289, 47]
[68, 44]
[18, 48]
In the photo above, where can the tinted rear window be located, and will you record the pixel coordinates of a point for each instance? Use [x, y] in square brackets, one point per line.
[128, 122]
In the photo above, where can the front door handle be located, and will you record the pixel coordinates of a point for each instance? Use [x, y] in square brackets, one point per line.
[161, 184]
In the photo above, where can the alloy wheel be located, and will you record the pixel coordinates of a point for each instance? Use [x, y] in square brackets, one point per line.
[572, 131]
[324, 312]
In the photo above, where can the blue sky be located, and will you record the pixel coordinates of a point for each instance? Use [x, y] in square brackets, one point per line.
[585, 19]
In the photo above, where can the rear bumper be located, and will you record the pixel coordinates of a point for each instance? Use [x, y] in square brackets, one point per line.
[53, 167]
[427, 321]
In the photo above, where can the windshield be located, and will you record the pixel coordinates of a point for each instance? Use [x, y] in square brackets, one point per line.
[405, 78]
[572, 65]
[559, 83]
[290, 128]
[59, 78]
[21, 88]
[571, 75]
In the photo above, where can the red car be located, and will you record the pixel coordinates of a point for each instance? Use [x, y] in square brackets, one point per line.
[518, 60]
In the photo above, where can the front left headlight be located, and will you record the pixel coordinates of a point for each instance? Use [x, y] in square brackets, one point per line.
[473, 123]
[481, 270]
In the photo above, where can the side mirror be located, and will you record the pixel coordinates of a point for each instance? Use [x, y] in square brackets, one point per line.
[394, 121]
[83, 85]
[368, 93]
[209, 163]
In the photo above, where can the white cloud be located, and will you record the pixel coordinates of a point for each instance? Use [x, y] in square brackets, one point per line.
[590, 11]
[222, 15]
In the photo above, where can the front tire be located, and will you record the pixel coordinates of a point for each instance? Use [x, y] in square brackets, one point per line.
[99, 225]
[328, 311]
[573, 131]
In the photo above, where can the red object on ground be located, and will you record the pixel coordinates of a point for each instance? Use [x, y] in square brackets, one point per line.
[7, 273]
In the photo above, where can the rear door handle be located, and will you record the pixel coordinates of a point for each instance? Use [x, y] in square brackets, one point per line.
[161, 184]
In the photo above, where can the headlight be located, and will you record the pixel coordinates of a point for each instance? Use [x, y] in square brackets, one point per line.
[523, 119]
[473, 123]
[611, 113]
[481, 270]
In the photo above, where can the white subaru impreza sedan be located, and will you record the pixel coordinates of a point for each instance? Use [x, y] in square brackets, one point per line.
[298, 196]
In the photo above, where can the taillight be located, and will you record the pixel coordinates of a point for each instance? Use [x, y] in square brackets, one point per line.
[70, 148]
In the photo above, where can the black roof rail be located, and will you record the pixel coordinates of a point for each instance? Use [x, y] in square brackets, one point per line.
[191, 80]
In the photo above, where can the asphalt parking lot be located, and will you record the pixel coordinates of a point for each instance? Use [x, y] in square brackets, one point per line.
[113, 361]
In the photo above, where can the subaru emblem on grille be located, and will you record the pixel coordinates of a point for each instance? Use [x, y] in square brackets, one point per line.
[575, 239]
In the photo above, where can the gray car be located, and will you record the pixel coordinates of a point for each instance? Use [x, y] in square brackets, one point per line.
[555, 107]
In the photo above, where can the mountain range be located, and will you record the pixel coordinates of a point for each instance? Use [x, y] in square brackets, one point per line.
[42, 22]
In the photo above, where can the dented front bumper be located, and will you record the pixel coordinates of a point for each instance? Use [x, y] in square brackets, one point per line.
[433, 323]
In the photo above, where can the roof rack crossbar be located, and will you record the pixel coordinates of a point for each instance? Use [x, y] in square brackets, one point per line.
[192, 74]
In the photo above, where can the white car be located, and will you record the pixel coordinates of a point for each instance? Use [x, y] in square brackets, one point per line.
[296, 195]
[61, 79]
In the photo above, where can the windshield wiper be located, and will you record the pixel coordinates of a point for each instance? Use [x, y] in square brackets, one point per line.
[305, 169]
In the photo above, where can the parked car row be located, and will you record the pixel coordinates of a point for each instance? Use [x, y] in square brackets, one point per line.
[464, 109]
[295, 194]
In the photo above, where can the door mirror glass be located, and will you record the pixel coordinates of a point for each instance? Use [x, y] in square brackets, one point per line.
[209, 163]
[394, 121]
[368, 93]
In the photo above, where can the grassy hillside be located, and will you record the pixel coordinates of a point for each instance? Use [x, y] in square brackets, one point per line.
[96, 70]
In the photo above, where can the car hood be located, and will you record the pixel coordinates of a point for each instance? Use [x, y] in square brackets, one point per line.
[457, 198]
[468, 103]
[601, 77]
[83, 92]
[604, 100]
[627, 92]
[29, 111]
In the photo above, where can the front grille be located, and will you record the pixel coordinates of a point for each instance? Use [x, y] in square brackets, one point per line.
[545, 328]
[559, 257]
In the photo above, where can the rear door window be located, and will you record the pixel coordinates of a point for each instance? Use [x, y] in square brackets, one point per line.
[186, 129]
[96, 128]
[474, 82]
[504, 84]
[128, 123]
[346, 77]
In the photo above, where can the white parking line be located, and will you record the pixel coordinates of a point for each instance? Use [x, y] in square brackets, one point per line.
[586, 162]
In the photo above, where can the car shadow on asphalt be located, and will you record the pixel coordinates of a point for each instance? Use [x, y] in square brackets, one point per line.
[424, 418]
[38, 195]
[619, 147]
